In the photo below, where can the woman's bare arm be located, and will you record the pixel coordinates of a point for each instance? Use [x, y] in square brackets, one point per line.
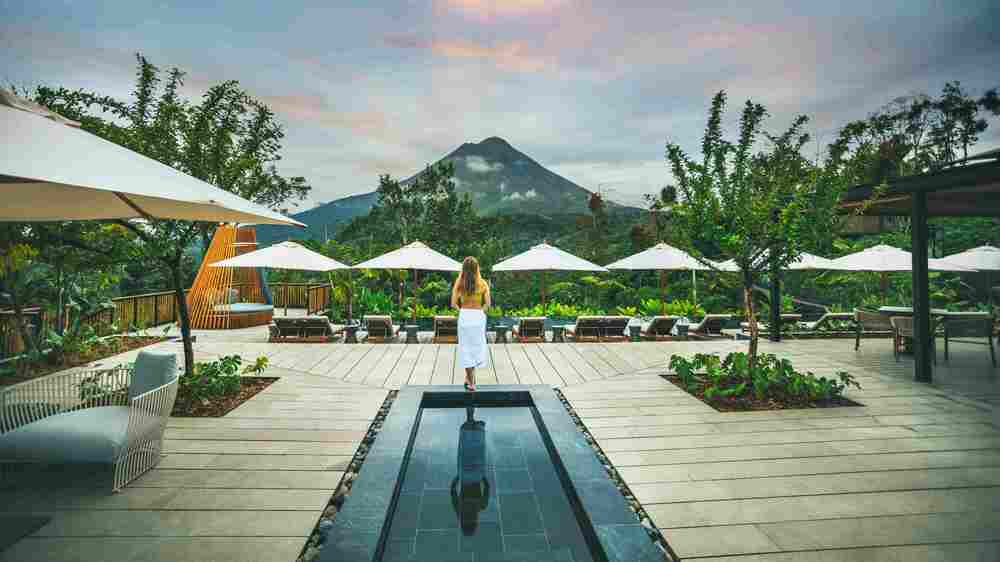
[487, 298]
[454, 294]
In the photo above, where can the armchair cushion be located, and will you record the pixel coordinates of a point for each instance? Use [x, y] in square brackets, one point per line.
[153, 369]
[94, 435]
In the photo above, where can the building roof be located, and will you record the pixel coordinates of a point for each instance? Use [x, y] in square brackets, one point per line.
[969, 189]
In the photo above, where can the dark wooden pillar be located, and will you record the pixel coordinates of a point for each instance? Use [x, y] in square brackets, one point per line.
[775, 306]
[921, 290]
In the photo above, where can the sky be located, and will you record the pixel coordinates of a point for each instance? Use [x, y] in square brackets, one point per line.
[591, 90]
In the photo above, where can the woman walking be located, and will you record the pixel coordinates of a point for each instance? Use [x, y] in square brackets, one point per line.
[471, 296]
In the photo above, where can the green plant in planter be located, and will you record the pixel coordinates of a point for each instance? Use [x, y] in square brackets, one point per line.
[770, 377]
[213, 379]
[258, 367]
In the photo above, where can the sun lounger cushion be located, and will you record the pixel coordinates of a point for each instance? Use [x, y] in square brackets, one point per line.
[152, 370]
[89, 435]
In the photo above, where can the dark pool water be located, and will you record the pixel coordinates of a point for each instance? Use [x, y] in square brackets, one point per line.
[480, 486]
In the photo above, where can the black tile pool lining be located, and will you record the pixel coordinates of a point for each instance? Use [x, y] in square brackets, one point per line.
[494, 399]
[360, 529]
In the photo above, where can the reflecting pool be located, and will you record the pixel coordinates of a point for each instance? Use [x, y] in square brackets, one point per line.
[480, 485]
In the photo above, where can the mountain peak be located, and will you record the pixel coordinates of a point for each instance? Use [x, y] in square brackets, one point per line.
[495, 141]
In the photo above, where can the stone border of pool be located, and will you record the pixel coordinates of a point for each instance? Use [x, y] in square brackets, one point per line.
[357, 529]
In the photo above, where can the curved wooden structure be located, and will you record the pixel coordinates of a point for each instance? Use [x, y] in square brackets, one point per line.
[225, 298]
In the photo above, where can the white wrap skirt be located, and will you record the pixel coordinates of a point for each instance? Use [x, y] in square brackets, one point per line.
[471, 337]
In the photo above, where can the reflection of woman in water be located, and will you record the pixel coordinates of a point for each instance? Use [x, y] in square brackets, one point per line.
[470, 491]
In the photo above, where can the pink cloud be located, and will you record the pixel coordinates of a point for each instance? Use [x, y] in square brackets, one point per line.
[516, 56]
[485, 10]
[312, 109]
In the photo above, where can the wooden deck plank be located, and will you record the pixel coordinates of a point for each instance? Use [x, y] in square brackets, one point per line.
[502, 364]
[565, 369]
[365, 365]
[546, 372]
[525, 371]
[444, 364]
[423, 369]
[403, 369]
[380, 371]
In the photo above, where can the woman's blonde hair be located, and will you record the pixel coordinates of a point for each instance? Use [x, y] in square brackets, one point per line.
[469, 280]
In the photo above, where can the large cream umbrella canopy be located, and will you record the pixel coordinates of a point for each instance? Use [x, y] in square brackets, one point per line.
[983, 258]
[543, 257]
[415, 256]
[284, 255]
[885, 259]
[661, 257]
[53, 172]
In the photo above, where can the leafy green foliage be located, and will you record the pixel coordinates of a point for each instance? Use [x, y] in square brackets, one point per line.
[761, 210]
[769, 378]
[212, 379]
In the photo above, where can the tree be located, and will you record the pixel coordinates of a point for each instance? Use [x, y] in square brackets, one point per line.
[912, 134]
[762, 210]
[228, 139]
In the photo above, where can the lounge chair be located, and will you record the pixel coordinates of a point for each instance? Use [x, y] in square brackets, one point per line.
[587, 328]
[531, 329]
[787, 319]
[659, 328]
[902, 329]
[613, 328]
[379, 328]
[710, 326]
[307, 329]
[114, 416]
[978, 326]
[445, 329]
[870, 322]
[824, 322]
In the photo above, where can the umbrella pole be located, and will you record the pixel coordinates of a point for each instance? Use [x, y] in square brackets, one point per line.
[884, 283]
[543, 292]
[694, 286]
[663, 289]
[414, 318]
[350, 296]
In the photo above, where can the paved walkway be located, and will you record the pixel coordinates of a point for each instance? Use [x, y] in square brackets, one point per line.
[912, 475]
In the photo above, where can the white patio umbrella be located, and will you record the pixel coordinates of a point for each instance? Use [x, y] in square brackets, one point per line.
[806, 261]
[983, 258]
[542, 258]
[52, 172]
[415, 256]
[661, 257]
[284, 255]
[885, 259]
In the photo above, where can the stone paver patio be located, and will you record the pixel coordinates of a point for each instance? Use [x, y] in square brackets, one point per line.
[914, 474]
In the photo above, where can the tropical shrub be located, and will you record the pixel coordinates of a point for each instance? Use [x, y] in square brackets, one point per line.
[769, 378]
[683, 307]
[219, 378]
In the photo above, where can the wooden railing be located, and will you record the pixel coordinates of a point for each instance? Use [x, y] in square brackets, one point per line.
[319, 299]
[153, 309]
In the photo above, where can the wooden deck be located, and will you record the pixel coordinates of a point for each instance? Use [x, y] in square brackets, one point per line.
[914, 474]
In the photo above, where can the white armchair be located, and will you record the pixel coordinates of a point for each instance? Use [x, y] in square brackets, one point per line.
[115, 416]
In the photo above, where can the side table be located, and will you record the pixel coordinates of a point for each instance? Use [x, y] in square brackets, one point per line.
[411, 333]
[635, 332]
[351, 333]
[501, 331]
[558, 333]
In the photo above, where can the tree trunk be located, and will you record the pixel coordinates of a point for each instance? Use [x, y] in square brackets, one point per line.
[22, 327]
[775, 306]
[751, 318]
[185, 319]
